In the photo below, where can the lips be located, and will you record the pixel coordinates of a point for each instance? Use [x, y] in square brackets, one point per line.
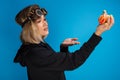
[46, 29]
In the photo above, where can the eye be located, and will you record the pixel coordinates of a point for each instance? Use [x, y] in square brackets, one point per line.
[45, 19]
[38, 21]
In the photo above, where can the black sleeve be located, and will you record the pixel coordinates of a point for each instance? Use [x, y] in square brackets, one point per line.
[63, 49]
[49, 60]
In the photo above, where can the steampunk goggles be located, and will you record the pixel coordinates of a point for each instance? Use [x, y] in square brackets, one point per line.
[35, 14]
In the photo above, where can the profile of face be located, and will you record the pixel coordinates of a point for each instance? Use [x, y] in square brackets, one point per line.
[42, 25]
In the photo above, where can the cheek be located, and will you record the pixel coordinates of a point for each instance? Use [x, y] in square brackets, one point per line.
[40, 27]
[43, 31]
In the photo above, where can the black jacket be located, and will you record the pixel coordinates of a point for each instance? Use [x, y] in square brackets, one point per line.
[43, 63]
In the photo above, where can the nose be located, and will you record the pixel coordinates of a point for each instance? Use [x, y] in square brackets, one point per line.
[46, 23]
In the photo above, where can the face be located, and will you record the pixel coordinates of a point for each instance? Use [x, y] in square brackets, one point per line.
[42, 25]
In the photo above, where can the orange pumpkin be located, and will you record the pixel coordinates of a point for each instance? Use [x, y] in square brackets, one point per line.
[103, 18]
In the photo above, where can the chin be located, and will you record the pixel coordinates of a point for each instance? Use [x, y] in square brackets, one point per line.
[47, 32]
[45, 35]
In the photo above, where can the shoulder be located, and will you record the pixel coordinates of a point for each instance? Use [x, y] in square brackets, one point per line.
[40, 50]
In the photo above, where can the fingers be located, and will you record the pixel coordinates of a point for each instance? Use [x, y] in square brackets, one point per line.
[74, 41]
[111, 19]
[70, 42]
[107, 20]
[107, 24]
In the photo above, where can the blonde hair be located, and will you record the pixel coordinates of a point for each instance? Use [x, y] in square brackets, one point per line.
[30, 34]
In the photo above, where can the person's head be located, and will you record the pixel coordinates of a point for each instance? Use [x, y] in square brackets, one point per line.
[33, 23]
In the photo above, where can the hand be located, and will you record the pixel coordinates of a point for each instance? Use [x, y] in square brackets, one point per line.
[69, 42]
[105, 26]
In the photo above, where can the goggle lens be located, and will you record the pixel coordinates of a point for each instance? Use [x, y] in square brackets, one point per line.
[38, 12]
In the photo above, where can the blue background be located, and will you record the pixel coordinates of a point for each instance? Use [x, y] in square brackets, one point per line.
[66, 18]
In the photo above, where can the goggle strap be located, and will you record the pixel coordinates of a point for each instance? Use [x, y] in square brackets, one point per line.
[44, 11]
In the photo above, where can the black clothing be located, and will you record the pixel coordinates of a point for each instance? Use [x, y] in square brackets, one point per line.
[43, 63]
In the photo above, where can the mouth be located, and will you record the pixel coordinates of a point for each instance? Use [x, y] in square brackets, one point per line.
[46, 29]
